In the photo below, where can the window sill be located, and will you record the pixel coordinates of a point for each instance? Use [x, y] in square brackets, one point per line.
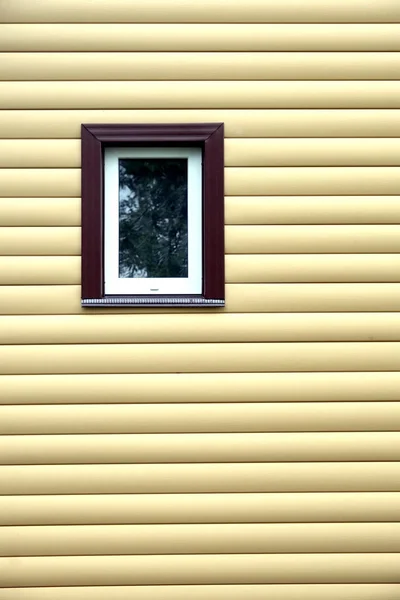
[160, 301]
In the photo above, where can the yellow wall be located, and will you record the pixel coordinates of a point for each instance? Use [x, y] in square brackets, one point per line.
[247, 453]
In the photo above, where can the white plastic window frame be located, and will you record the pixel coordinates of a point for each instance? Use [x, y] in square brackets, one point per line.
[115, 285]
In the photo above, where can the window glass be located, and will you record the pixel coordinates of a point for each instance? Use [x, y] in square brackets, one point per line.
[153, 217]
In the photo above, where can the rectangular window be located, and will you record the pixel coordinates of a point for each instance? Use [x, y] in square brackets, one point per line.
[153, 215]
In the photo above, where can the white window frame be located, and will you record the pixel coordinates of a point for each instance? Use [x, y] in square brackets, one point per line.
[115, 285]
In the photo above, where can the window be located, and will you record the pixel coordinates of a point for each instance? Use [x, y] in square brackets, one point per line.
[152, 215]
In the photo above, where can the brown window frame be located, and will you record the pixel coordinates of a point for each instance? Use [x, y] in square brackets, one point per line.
[208, 136]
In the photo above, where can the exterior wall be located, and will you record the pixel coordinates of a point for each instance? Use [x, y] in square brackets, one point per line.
[249, 452]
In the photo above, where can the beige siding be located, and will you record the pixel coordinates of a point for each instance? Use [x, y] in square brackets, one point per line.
[173, 328]
[239, 181]
[202, 388]
[262, 123]
[246, 152]
[199, 539]
[370, 476]
[198, 448]
[240, 268]
[198, 94]
[209, 11]
[211, 592]
[258, 268]
[199, 569]
[197, 418]
[172, 66]
[240, 239]
[329, 507]
[200, 358]
[247, 452]
[240, 298]
[222, 37]
[239, 210]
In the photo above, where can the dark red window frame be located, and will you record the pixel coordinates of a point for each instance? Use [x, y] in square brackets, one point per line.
[208, 136]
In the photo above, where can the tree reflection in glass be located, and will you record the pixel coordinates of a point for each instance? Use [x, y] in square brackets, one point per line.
[153, 220]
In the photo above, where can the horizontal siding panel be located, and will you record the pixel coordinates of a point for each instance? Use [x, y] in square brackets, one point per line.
[306, 152]
[266, 268]
[210, 11]
[313, 591]
[256, 181]
[56, 124]
[205, 478]
[239, 181]
[199, 569]
[199, 508]
[38, 270]
[312, 297]
[205, 387]
[294, 239]
[38, 241]
[276, 538]
[199, 94]
[40, 212]
[254, 239]
[198, 418]
[65, 270]
[42, 153]
[117, 329]
[260, 298]
[131, 37]
[292, 210]
[48, 300]
[199, 448]
[200, 358]
[43, 182]
[185, 328]
[195, 66]
[253, 152]
[239, 210]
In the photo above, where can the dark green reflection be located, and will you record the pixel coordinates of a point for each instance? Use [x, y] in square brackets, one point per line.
[153, 234]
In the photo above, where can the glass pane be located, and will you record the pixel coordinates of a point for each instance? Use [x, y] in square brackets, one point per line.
[153, 220]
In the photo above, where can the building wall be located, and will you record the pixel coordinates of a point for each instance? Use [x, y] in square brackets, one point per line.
[244, 453]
